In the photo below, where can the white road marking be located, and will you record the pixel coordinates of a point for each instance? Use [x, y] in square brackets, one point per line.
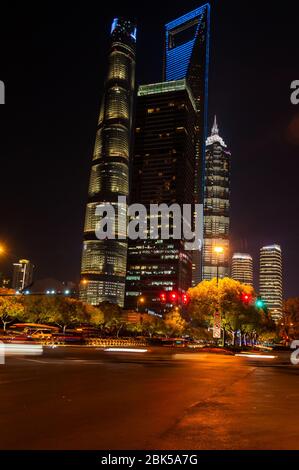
[62, 361]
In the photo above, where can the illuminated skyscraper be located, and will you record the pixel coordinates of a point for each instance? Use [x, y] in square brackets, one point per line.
[187, 53]
[22, 274]
[186, 56]
[271, 279]
[163, 173]
[103, 267]
[242, 268]
[216, 206]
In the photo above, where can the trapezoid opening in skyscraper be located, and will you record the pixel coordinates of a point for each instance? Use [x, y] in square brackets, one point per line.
[186, 56]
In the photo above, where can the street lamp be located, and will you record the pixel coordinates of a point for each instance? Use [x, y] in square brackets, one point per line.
[140, 300]
[219, 250]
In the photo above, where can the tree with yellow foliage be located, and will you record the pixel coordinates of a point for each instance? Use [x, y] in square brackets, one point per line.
[174, 323]
[11, 309]
[62, 311]
[234, 301]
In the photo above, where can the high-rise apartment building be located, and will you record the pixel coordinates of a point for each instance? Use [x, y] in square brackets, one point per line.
[242, 268]
[187, 41]
[22, 275]
[271, 279]
[103, 269]
[216, 207]
[162, 173]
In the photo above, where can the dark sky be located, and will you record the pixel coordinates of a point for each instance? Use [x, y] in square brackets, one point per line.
[53, 61]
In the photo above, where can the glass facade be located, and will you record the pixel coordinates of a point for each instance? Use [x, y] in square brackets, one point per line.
[187, 51]
[22, 274]
[163, 173]
[216, 207]
[242, 268]
[103, 269]
[187, 48]
[271, 279]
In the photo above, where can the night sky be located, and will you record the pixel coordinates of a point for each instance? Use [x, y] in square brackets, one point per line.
[53, 63]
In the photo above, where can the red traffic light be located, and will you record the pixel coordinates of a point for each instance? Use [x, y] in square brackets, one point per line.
[174, 296]
[163, 297]
[185, 299]
[246, 298]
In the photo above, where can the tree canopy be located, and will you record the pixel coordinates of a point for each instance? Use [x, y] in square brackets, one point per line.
[11, 309]
[227, 297]
[174, 323]
[61, 311]
[290, 318]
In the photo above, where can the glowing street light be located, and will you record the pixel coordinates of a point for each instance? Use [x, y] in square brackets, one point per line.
[219, 250]
[140, 300]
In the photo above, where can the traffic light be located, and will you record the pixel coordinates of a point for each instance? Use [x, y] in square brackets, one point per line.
[246, 298]
[185, 299]
[260, 304]
[163, 297]
[173, 296]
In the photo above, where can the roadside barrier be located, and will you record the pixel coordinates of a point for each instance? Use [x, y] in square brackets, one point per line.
[112, 342]
[98, 342]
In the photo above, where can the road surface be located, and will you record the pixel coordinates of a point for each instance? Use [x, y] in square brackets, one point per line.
[87, 399]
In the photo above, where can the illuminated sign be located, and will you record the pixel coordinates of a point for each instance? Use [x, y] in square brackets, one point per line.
[2, 93]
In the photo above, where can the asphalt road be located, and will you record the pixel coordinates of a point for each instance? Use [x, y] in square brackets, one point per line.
[84, 398]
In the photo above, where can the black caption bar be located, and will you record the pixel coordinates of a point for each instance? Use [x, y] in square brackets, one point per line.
[138, 459]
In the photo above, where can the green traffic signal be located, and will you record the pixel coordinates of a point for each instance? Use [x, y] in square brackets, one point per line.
[260, 304]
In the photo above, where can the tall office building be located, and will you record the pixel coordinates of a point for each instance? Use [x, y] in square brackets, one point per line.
[242, 268]
[103, 267]
[163, 173]
[187, 41]
[216, 206]
[271, 279]
[22, 274]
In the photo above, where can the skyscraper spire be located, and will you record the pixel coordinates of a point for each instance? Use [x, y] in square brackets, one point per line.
[215, 129]
[216, 207]
[215, 138]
